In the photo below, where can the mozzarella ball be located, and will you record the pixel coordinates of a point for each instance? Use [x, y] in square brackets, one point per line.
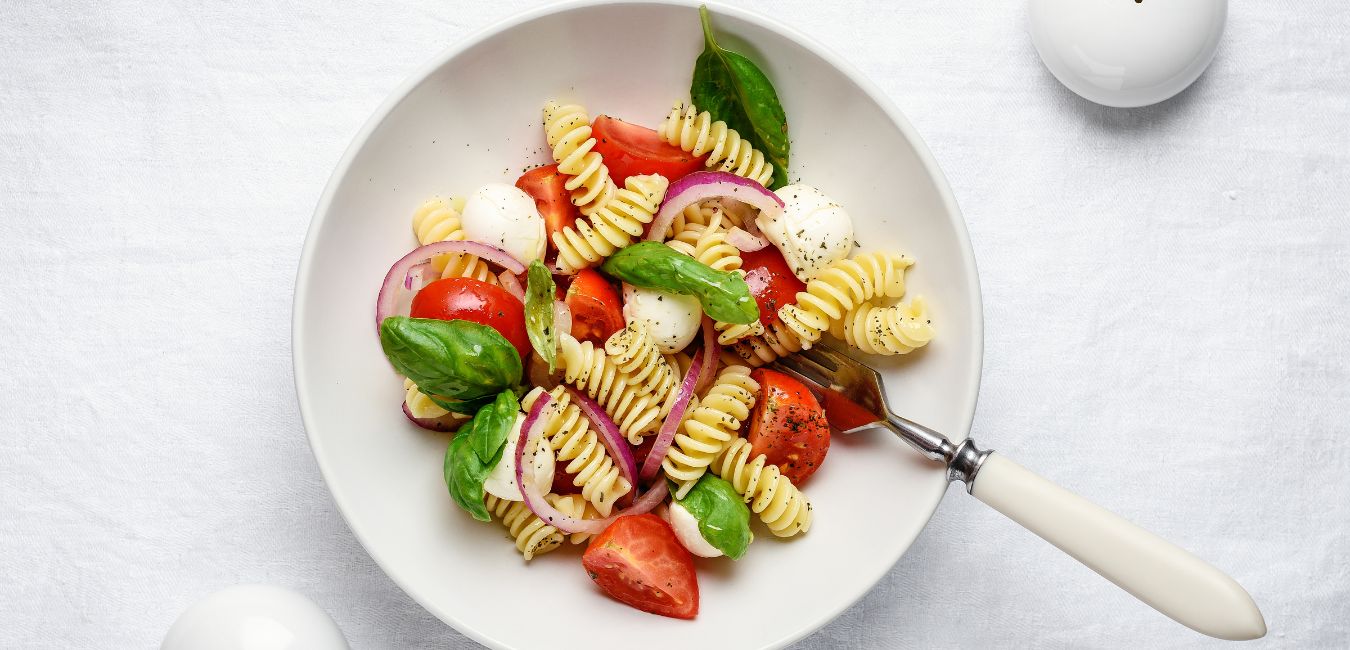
[812, 231]
[501, 481]
[505, 216]
[685, 525]
[672, 319]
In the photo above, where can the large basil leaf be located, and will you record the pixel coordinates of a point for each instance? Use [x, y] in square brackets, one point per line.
[723, 518]
[733, 89]
[540, 293]
[724, 295]
[476, 450]
[456, 359]
[463, 407]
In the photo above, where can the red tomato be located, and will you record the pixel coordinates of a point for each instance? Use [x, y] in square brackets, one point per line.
[630, 150]
[639, 562]
[552, 200]
[597, 311]
[771, 281]
[475, 301]
[788, 426]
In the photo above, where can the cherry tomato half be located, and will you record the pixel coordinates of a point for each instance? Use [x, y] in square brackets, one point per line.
[546, 185]
[771, 281]
[631, 150]
[788, 426]
[639, 562]
[475, 301]
[597, 311]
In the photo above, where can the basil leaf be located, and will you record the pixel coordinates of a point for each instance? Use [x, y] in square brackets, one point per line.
[539, 295]
[724, 295]
[723, 518]
[733, 89]
[468, 407]
[456, 358]
[476, 450]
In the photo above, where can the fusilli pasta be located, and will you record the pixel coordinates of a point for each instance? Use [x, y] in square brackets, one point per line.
[421, 407]
[573, 505]
[634, 351]
[568, 132]
[898, 329]
[590, 369]
[698, 134]
[569, 434]
[590, 240]
[840, 287]
[532, 536]
[437, 220]
[777, 341]
[710, 426]
[779, 504]
[708, 244]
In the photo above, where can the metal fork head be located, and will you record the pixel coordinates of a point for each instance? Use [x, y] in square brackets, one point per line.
[829, 369]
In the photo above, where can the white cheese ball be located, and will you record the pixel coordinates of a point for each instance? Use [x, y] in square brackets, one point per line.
[505, 216]
[672, 319]
[812, 231]
[685, 525]
[501, 481]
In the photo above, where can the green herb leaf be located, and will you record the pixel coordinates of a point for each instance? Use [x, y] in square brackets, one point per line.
[539, 297]
[724, 295]
[723, 518]
[464, 407]
[476, 450]
[733, 89]
[452, 359]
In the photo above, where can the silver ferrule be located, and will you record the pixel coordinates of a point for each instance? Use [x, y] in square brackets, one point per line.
[963, 461]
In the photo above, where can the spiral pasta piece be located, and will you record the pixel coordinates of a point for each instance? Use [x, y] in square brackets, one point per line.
[590, 240]
[590, 370]
[710, 426]
[898, 329]
[421, 407]
[532, 536]
[569, 434]
[438, 220]
[573, 505]
[634, 351]
[567, 128]
[779, 504]
[697, 133]
[776, 342]
[840, 287]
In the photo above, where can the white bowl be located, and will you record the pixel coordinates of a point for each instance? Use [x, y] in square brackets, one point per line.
[471, 116]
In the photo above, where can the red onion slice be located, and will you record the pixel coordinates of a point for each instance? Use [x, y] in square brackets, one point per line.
[711, 185]
[534, 497]
[610, 436]
[398, 274]
[666, 434]
[744, 241]
[709, 355]
[512, 285]
[430, 424]
[562, 317]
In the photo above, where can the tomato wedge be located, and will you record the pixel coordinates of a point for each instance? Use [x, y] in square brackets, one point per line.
[771, 281]
[597, 311]
[639, 562]
[546, 185]
[788, 426]
[631, 150]
[475, 301]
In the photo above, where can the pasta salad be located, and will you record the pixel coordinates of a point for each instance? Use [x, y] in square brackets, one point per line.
[595, 335]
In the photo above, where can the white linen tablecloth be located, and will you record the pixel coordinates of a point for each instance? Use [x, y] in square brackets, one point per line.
[1165, 292]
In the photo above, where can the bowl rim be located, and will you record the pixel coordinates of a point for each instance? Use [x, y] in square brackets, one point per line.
[422, 72]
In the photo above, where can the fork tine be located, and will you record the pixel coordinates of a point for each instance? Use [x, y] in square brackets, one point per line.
[829, 373]
[820, 355]
[805, 372]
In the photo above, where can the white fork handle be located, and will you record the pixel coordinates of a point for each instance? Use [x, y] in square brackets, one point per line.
[1163, 575]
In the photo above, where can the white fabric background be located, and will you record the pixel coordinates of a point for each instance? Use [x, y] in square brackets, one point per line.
[1164, 293]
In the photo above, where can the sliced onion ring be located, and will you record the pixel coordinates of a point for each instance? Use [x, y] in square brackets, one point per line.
[430, 424]
[652, 464]
[710, 185]
[744, 241]
[709, 354]
[534, 498]
[562, 317]
[610, 436]
[398, 273]
[512, 285]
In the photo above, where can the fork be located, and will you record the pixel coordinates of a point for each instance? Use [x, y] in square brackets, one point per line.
[1157, 572]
